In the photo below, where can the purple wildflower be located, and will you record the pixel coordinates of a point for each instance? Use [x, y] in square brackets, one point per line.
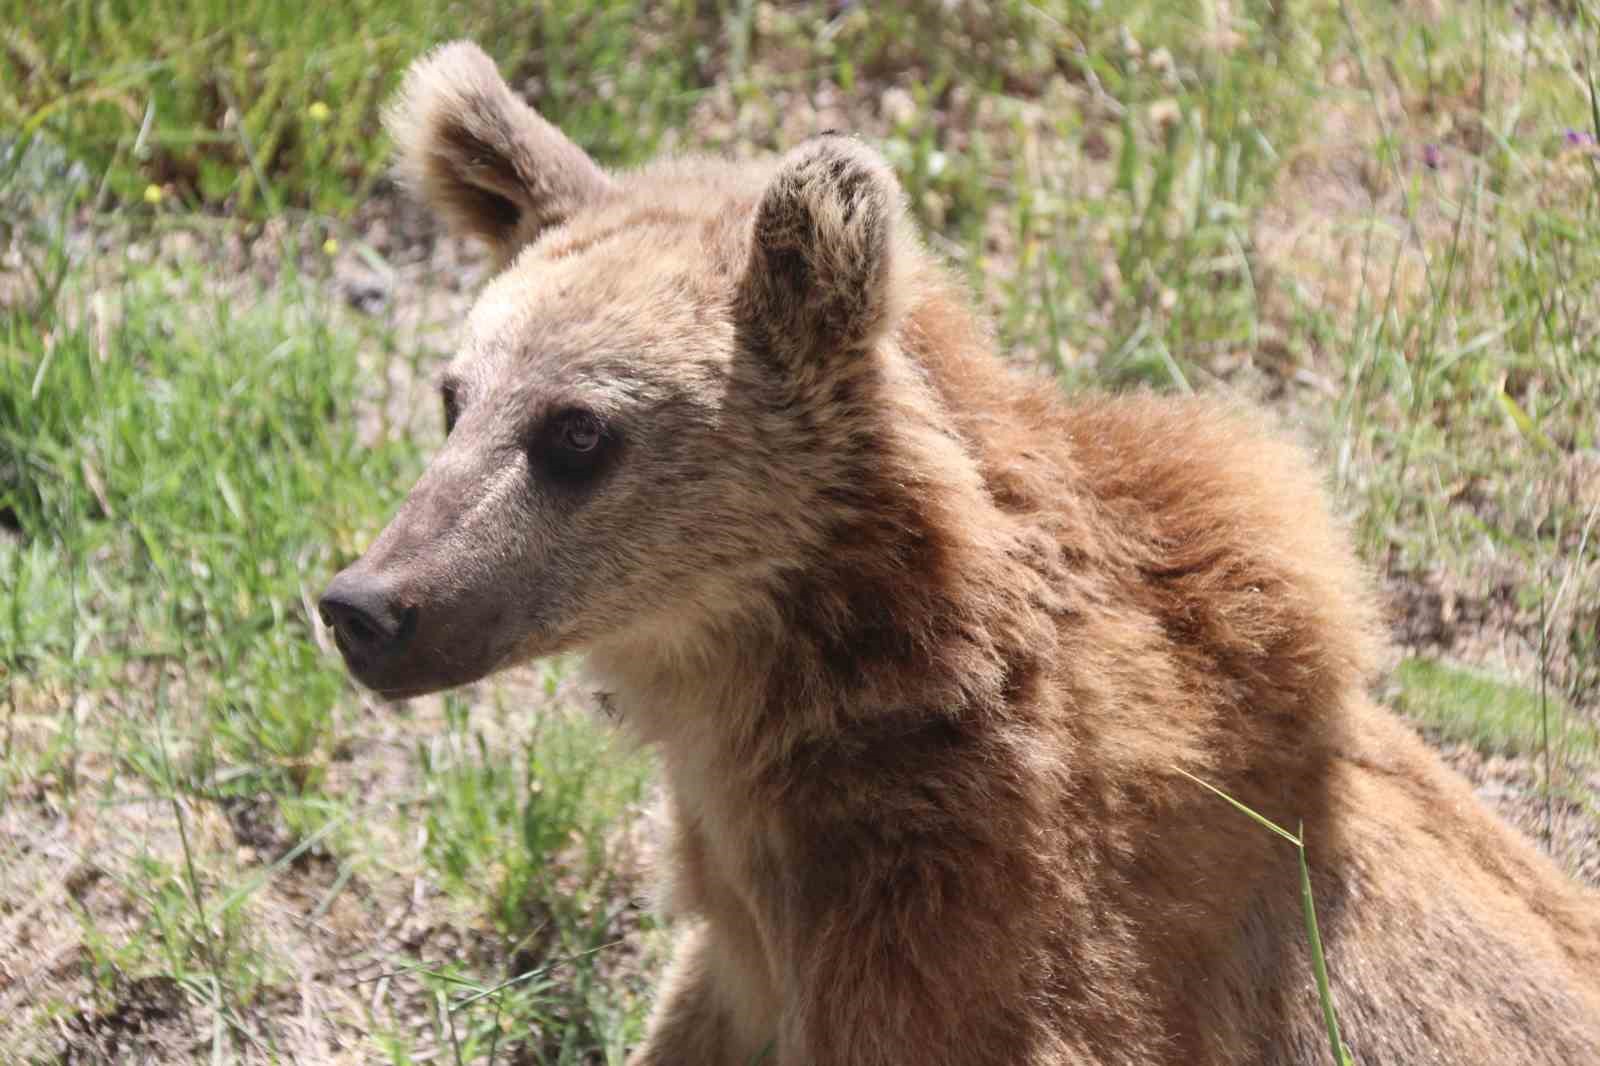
[1580, 139]
[1431, 158]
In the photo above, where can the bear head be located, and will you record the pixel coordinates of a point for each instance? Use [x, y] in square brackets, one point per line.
[658, 403]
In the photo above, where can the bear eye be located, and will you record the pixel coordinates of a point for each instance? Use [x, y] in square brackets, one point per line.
[573, 446]
[452, 406]
[580, 432]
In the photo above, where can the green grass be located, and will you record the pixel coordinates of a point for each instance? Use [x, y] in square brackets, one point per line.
[525, 840]
[1373, 220]
[1495, 716]
[259, 106]
[167, 455]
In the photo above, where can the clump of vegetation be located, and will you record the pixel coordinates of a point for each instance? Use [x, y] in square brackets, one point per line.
[258, 107]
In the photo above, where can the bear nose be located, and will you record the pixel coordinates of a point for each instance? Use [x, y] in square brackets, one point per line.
[367, 620]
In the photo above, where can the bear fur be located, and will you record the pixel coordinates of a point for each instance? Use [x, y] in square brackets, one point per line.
[932, 654]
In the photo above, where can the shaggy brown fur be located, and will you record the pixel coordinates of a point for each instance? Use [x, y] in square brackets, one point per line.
[923, 646]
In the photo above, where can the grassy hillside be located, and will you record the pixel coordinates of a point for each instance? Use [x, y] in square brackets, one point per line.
[218, 326]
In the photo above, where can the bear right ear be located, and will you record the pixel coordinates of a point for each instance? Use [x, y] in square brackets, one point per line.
[481, 157]
[821, 280]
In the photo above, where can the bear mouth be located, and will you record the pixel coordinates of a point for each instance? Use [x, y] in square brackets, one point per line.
[412, 675]
[425, 671]
[408, 692]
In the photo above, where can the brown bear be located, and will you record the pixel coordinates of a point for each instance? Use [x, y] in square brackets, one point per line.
[923, 645]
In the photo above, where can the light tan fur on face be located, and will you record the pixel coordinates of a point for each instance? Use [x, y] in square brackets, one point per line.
[922, 646]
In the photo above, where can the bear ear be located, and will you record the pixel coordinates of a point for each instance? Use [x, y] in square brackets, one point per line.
[819, 277]
[481, 157]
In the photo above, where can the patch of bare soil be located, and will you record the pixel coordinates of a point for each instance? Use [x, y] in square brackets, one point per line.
[149, 1021]
[324, 948]
[1475, 619]
[62, 885]
[1525, 617]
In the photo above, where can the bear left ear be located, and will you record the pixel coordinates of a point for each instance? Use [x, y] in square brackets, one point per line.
[481, 157]
[822, 251]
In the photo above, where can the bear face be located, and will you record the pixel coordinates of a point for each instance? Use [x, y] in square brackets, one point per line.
[640, 413]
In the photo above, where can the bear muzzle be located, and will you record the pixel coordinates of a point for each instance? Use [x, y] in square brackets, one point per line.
[400, 642]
